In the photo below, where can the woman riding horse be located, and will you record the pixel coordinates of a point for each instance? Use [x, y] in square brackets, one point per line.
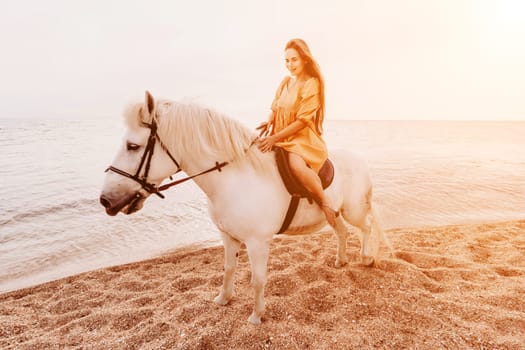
[296, 121]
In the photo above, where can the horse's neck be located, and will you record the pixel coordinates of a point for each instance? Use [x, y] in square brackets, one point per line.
[194, 128]
[210, 182]
[231, 174]
[195, 165]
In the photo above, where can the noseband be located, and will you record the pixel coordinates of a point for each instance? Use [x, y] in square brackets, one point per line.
[145, 163]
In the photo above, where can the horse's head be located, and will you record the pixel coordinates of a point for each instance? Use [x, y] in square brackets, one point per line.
[141, 163]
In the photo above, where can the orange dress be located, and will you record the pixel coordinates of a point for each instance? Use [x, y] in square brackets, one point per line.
[300, 102]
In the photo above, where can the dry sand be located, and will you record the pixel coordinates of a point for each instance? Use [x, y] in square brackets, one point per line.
[453, 287]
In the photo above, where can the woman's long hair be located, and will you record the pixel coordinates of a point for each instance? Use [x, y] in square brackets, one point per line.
[312, 69]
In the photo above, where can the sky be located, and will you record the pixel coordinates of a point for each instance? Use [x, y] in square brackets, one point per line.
[381, 59]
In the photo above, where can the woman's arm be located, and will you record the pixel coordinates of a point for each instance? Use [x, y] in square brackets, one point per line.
[266, 127]
[267, 143]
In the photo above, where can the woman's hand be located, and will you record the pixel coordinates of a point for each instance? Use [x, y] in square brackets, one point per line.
[266, 144]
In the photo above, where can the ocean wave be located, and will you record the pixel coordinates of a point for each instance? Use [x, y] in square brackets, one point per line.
[78, 204]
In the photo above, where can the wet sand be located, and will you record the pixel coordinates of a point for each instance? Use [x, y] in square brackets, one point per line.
[450, 287]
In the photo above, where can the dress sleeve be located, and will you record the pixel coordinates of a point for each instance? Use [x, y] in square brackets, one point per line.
[278, 93]
[309, 102]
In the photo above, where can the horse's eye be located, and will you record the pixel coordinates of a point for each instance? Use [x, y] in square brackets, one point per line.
[132, 146]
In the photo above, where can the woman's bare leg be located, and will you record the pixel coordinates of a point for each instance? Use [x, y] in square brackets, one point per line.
[312, 182]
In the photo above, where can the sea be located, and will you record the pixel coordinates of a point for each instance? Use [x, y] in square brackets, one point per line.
[425, 173]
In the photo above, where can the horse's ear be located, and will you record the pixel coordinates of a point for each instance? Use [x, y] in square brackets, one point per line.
[149, 103]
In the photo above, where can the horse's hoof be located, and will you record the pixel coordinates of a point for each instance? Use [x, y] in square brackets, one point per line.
[221, 300]
[367, 260]
[254, 319]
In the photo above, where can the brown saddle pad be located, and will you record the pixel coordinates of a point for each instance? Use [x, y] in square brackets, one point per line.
[293, 185]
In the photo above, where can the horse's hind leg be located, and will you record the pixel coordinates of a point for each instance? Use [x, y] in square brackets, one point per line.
[359, 214]
[341, 232]
[231, 248]
[367, 257]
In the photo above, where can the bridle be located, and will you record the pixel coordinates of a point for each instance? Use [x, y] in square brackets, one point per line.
[145, 163]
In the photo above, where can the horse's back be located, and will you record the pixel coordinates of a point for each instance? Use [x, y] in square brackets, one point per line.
[352, 170]
[348, 161]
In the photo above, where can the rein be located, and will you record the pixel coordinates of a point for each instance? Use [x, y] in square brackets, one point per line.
[146, 163]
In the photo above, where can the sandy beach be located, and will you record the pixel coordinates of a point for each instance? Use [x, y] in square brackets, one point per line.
[450, 287]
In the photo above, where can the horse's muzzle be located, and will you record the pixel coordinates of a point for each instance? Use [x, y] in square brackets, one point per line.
[114, 206]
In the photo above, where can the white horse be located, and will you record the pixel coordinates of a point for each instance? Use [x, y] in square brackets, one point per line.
[247, 199]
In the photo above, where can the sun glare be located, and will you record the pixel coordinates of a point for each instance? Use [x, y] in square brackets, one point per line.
[502, 26]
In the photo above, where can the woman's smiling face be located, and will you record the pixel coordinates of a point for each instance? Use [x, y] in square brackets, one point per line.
[294, 62]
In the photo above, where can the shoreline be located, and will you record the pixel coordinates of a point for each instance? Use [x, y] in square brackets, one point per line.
[195, 246]
[454, 286]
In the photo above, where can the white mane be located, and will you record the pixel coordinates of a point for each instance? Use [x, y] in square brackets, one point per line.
[199, 132]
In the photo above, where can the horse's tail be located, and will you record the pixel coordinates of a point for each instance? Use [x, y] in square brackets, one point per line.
[378, 234]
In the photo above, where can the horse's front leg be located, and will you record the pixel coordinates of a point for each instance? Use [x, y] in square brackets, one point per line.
[231, 248]
[258, 253]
